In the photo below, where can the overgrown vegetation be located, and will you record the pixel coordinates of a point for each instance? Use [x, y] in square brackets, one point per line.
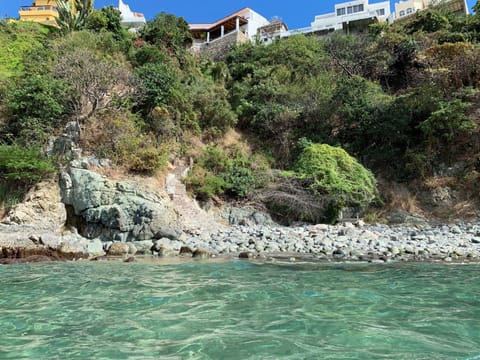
[402, 100]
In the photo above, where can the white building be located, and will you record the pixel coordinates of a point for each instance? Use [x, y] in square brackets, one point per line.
[349, 14]
[245, 21]
[130, 20]
[275, 30]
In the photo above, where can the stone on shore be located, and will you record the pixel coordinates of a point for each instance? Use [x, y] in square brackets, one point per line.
[118, 249]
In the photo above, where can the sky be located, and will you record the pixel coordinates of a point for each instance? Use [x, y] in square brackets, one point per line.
[295, 13]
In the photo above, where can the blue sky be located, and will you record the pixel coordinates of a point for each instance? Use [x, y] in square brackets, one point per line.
[296, 13]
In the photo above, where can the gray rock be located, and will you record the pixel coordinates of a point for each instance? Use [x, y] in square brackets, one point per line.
[51, 240]
[247, 215]
[403, 217]
[116, 210]
[394, 250]
[95, 248]
[132, 249]
[71, 248]
[144, 247]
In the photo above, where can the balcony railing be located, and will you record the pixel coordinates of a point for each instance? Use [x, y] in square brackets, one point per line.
[38, 8]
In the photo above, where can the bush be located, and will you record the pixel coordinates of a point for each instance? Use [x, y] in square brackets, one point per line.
[142, 157]
[448, 121]
[19, 40]
[205, 185]
[114, 134]
[159, 82]
[331, 171]
[23, 166]
[226, 173]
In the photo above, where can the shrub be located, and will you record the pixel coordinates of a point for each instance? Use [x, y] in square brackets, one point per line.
[226, 173]
[23, 166]
[142, 157]
[205, 184]
[331, 171]
[448, 121]
[114, 134]
[159, 82]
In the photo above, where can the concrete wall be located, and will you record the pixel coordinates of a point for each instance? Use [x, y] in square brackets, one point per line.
[255, 21]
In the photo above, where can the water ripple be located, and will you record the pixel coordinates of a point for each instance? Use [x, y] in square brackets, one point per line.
[239, 310]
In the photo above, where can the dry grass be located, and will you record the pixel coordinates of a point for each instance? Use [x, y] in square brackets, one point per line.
[436, 182]
[465, 209]
[398, 197]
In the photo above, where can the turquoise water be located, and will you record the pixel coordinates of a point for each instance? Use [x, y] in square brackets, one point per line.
[239, 310]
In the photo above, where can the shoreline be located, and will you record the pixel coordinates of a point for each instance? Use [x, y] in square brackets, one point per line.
[376, 243]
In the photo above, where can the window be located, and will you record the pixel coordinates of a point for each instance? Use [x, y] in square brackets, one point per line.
[340, 11]
[381, 12]
[402, 13]
[358, 8]
[354, 9]
[409, 10]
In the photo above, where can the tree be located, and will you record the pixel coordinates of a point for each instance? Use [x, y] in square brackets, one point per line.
[34, 107]
[107, 18]
[170, 32]
[97, 82]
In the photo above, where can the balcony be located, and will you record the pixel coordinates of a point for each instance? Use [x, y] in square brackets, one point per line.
[41, 14]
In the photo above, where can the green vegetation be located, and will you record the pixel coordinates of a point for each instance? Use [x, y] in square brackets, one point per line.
[333, 172]
[23, 166]
[228, 172]
[402, 99]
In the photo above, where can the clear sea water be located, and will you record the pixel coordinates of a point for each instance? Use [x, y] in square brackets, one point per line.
[239, 310]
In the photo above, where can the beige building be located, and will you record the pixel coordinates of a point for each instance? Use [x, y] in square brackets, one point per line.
[409, 7]
[406, 8]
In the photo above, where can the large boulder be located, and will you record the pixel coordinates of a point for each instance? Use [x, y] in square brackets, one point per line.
[116, 210]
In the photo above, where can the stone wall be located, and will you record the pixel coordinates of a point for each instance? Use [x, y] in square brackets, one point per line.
[219, 48]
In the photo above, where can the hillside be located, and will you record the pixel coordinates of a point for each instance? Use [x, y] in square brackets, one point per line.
[381, 122]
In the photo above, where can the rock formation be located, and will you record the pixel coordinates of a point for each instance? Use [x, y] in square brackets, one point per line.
[115, 210]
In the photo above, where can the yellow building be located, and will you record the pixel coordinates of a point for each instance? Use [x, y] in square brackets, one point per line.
[42, 11]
